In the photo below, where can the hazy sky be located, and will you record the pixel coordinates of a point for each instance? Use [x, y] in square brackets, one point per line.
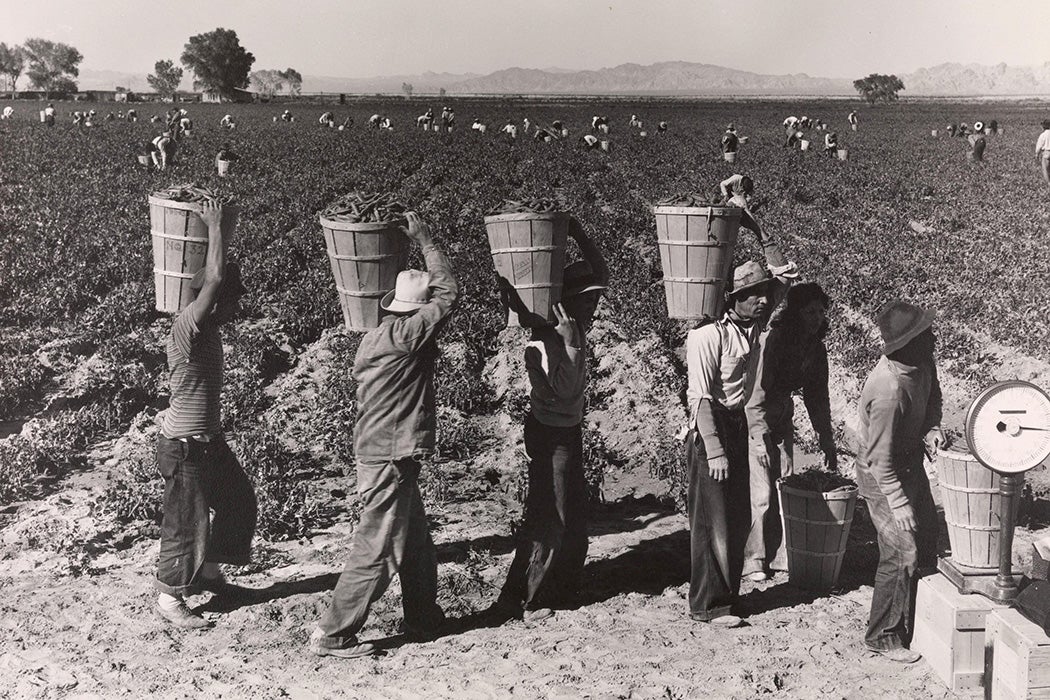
[364, 38]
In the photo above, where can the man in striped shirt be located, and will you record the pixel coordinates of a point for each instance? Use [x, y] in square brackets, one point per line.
[200, 472]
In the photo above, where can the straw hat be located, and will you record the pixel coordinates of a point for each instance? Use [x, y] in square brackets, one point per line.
[900, 322]
[747, 276]
[579, 278]
[978, 126]
[410, 293]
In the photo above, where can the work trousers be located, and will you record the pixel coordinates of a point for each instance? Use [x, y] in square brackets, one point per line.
[552, 543]
[201, 478]
[392, 537]
[719, 519]
[765, 541]
[901, 555]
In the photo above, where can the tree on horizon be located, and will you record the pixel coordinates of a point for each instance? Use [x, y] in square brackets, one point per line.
[165, 79]
[12, 63]
[52, 65]
[879, 88]
[218, 61]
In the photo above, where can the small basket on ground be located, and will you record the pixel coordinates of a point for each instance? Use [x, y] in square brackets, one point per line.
[696, 250]
[818, 510]
[528, 242]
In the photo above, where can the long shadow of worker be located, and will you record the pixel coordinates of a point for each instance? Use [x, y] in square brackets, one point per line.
[233, 597]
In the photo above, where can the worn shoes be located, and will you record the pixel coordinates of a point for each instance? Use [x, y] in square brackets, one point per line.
[350, 651]
[724, 621]
[531, 617]
[900, 654]
[181, 616]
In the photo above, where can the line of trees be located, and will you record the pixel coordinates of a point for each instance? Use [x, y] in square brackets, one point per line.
[51, 66]
[269, 82]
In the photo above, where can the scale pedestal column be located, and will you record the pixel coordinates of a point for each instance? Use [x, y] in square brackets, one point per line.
[1001, 586]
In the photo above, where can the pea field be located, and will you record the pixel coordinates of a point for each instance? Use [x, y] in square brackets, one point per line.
[83, 374]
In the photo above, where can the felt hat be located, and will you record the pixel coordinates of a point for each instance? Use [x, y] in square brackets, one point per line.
[730, 127]
[579, 278]
[900, 322]
[749, 275]
[978, 126]
[411, 292]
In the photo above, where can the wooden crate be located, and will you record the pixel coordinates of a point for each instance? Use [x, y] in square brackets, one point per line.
[950, 633]
[1018, 657]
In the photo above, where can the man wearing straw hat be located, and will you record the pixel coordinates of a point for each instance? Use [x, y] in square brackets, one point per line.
[552, 547]
[977, 142]
[900, 415]
[201, 473]
[395, 431]
[730, 140]
[719, 360]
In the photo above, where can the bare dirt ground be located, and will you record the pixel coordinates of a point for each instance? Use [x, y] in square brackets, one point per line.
[77, 619]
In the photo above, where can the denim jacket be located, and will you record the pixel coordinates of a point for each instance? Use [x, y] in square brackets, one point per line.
[394, 369]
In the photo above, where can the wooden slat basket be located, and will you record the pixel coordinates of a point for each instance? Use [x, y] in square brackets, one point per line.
[365, 259]
[528, 250]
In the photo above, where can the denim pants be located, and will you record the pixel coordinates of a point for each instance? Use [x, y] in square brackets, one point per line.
[392, 538]
[201, 478]
[901, 555]
[552, 546]
[765, 542]
[719, 519]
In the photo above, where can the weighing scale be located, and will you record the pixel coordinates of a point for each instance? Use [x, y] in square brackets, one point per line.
[1008, 431]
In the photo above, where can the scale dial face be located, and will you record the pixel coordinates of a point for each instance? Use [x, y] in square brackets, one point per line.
[1008, 427]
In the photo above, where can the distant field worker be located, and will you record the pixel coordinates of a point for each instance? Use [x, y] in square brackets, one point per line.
[395, 431]
[598, 122]
[227, 122]
[185, 124]
[589, 141]
[510, 129]
[132, 115]
[831, 142]
[548, 561]
[8, 111]
[546, 134]
[478, 125]
[424, 120]
[661, 127]
[977, 143]
[792, 357]
[900, 414]
[1042, 150]
[737, 190]
[730, 140]
[286, 116]
[853, 119]
[162, 150]
[375, 121]
[326, 119]
[793, 137]
[716, 443]
[49, 114]
[951, 129]
[209, 511]
[791, 123]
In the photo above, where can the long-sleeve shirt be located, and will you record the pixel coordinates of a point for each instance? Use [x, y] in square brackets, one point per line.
[394, 369]
[1042, 144]
[718, 357]
[787, 364]
[558, 376]
[898, 406]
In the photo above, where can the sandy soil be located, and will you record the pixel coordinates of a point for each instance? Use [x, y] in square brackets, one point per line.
[76, 617]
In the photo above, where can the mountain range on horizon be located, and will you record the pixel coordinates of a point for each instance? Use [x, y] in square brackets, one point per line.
[666, 78]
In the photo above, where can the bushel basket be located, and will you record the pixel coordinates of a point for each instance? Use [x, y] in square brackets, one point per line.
[816, 528]
[696, 251]
[528, 251]
[365, 259]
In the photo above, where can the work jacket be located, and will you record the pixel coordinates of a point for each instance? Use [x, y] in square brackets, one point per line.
[394, 369]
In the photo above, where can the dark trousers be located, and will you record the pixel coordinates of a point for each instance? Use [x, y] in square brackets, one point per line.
[392, 538]
[552, 546]
[719, 519]
[201, 478]
[901, 555]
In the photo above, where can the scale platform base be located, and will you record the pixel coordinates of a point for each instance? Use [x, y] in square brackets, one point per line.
[982, 581]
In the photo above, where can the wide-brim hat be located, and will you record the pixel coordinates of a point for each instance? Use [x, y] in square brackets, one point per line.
[748, 276]
[579, 278]
[410, 292]
[978, 126]
[900, 323]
